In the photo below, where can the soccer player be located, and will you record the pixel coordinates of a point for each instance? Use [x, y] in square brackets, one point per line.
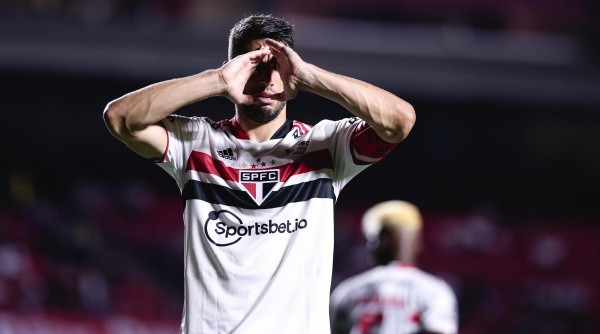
[259, 188]
[394, 297]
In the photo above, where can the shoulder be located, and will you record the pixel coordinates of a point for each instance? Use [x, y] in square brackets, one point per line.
[344, 122]
[328, 127]
[434, 285]
[354, 283]
[192, 123]
[175, 120]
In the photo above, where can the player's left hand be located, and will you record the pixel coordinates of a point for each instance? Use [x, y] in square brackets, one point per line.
[290, 66]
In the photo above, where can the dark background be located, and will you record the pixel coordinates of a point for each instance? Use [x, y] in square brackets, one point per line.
[525, 157]
[503, 160]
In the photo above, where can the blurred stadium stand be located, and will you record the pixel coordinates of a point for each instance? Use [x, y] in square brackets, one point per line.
[503, 160]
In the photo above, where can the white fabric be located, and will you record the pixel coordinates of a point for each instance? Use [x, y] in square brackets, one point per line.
[394, 299]
[250, 268]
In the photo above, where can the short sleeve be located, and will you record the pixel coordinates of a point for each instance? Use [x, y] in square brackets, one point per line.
[182, 133]
[441, 315]
[339, 312]
[339, 134]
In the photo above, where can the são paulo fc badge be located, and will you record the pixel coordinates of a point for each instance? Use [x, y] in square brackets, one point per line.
[259, 183]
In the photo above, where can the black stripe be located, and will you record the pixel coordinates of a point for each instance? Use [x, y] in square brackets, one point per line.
[283, 130]
[212, 193]
[319, 188]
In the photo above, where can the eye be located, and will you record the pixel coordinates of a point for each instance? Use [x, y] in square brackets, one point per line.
[260, 67]
[273, 64]
[268, 66]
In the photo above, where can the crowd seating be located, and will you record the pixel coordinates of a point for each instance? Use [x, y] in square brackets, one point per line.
[116, 252]
[553, 16]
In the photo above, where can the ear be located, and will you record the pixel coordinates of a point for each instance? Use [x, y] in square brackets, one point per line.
[417, 246]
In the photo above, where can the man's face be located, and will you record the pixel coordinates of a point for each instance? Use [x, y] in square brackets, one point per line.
[266, 88]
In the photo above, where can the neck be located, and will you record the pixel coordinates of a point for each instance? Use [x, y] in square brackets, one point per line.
[260, 132]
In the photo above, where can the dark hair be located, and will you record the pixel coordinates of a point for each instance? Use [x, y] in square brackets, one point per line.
[256, 27]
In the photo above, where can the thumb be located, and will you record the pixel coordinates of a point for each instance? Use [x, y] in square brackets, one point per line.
[244, 99]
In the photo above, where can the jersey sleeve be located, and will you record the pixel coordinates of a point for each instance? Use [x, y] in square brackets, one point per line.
[352, 140]
[441, 314]
[365, 143]
[339, 312]
[182, 132]
[345, 167]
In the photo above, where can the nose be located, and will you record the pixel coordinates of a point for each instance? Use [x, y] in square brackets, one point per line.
[264, 78]
[263, 73]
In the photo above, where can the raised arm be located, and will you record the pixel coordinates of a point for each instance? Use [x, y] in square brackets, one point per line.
[135, 117]
[391, 117]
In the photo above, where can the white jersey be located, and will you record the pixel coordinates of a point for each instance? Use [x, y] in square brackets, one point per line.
[258, 222]
[394, 299]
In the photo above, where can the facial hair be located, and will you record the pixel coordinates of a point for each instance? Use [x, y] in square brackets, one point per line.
[261, 114]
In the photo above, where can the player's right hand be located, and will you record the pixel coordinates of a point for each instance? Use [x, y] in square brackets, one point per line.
[235, 73]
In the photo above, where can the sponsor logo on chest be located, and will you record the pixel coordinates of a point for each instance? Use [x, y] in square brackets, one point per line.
[224, 228]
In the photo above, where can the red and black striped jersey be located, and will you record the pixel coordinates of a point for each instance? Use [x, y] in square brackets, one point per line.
[259, 220]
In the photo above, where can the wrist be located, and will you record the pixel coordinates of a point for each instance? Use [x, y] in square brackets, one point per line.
[218, 83]
[306, 77]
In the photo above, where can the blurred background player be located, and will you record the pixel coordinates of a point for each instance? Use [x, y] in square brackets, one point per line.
[395, 296]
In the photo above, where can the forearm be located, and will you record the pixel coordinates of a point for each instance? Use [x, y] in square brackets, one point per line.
[137, 110]
[391, 117]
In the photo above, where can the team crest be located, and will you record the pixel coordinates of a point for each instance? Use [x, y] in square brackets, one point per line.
[259, 183]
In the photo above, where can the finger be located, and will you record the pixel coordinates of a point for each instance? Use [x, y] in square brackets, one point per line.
[278, 54]
[275, 44]
[260, 54]
[262, 51]
[268, 57]
[246, 99]
[241, 99]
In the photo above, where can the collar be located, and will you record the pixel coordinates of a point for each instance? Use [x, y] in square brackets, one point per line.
[239, 133]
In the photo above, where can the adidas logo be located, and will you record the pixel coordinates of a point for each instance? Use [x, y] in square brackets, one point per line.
[227, 154]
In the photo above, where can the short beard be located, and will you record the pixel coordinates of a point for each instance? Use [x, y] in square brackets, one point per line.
[261, 114]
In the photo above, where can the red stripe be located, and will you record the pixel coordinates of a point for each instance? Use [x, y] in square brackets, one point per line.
[303, 127]
[204, 163]
[251, 188]
[311, 161]
[237, 130]
[366, 142]
[164, 156]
